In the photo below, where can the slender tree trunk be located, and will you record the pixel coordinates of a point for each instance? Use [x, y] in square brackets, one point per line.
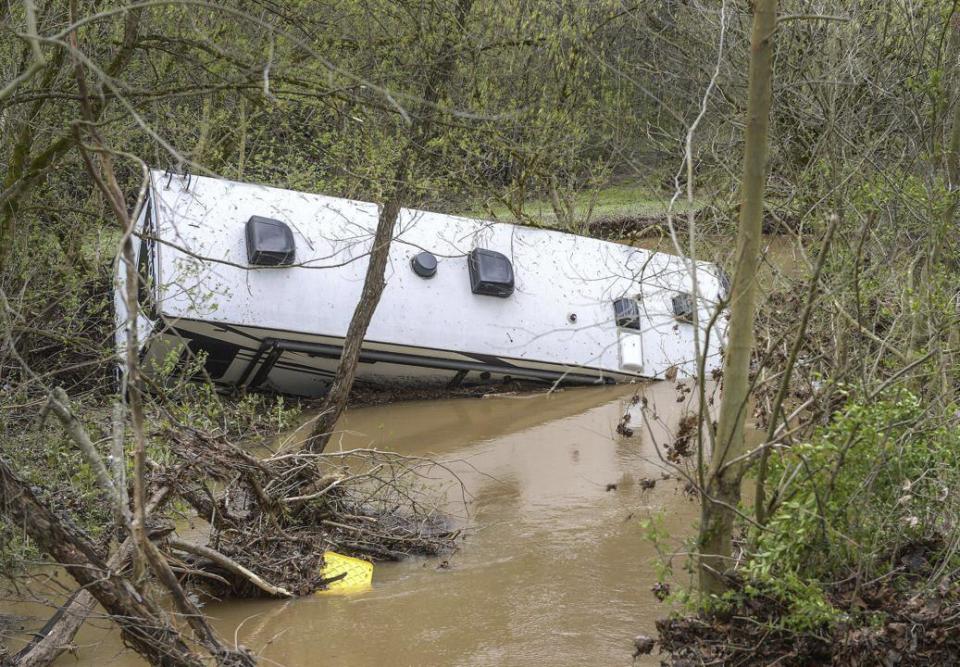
[949, 362]
[57, 635]
[373, 284]
[143, 628]
[421, 131]
[928, 328]
[101, 171]
[722, 492]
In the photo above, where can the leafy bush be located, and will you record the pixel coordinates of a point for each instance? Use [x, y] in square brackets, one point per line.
[877, 478]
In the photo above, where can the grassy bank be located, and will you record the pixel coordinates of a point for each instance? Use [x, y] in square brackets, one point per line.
[626, 201]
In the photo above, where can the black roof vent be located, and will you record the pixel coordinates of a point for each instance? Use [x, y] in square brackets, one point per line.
[269, 242]
[491, 273]
[424, 265]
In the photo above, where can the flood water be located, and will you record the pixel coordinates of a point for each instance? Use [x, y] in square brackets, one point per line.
[555, 569]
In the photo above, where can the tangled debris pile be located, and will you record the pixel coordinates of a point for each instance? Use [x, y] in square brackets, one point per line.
[271, 519]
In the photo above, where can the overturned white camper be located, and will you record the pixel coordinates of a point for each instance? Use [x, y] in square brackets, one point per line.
[264, 282]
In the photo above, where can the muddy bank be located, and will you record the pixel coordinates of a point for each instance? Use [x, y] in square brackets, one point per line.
[629, 228]
[882, 623]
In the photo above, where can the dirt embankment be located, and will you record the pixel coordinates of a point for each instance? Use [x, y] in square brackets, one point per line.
[631, 227]
[885, 623]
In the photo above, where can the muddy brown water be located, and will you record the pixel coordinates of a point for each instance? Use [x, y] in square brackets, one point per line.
[554, 569]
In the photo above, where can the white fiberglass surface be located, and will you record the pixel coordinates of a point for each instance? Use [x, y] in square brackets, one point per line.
[560, 312]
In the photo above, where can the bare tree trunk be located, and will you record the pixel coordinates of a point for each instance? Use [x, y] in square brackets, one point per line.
[105, 179]
[421, 131]
[373, 284]
[102, 173]
[143, 627]
[949, 362]
[722, 492]
[60, 630]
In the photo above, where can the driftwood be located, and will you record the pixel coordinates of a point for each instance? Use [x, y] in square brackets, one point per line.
[231, 565]
[142, 623]
[58, 633]
[272, 519]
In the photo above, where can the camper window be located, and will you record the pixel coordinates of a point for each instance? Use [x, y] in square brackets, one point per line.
[683, 307]
[627, 313]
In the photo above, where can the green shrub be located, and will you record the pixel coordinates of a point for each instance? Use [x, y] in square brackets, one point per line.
[875, 479]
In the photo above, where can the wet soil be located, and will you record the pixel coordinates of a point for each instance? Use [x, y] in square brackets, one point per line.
[886, 625]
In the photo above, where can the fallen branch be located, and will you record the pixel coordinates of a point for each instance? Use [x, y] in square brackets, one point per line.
[57, 635]
[141, 621]
[231, 565]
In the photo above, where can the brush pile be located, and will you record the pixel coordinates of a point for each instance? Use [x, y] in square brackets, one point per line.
[271, 519]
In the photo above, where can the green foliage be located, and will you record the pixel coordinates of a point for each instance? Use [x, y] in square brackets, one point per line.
[655, 531]
[189, 399]
[867, 482]
[877, 477]
[784, 603]
[47, 459]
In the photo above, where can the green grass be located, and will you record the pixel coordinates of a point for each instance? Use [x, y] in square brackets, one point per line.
[617, 201]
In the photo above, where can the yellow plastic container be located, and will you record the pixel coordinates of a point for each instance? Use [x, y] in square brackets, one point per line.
[359, 574]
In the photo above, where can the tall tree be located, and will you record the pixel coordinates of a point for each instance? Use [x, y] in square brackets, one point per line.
[420, 133]
[722, 489]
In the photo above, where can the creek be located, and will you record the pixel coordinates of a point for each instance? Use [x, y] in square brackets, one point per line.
[554, 568]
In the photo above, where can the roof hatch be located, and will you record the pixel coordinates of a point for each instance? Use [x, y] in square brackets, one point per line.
[269, 242]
